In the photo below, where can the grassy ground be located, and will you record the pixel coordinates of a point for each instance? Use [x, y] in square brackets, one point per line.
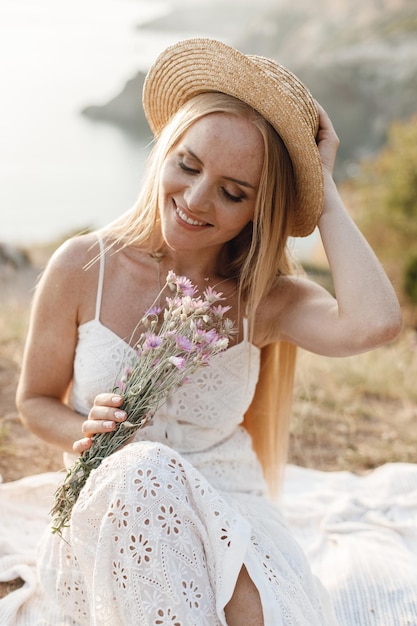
[359, 412]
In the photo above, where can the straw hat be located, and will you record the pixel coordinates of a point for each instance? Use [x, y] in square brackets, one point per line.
[195, 66]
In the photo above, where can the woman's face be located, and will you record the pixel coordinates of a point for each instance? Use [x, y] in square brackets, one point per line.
[209, 183]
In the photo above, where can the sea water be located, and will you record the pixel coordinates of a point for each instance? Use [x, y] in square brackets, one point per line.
[61, 172]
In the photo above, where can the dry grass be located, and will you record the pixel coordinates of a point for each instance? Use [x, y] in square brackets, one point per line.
[359, 412]
[21, 453]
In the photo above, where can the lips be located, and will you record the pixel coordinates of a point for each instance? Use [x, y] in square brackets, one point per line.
[188, 220]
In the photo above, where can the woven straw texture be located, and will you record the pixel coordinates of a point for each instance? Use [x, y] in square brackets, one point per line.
[195, 66]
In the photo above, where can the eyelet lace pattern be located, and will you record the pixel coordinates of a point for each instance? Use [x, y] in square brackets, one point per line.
[163, 526]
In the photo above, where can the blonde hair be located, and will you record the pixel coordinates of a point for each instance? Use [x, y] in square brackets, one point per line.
[255, 259]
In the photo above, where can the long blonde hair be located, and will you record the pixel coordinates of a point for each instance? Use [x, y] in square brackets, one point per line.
[255, 259]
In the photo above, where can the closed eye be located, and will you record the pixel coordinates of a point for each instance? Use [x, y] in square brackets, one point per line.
[184, 167]
[227, 194]
[231, 197]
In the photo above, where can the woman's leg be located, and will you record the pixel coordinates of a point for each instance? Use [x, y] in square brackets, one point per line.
[150, 536]
[244, 607]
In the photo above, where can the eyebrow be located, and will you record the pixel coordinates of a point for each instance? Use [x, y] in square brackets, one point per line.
[233, 180]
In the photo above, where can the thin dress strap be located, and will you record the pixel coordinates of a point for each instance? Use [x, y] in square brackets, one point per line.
[245, 329]
[100, 279]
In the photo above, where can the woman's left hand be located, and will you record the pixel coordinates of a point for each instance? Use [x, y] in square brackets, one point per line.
[103, 417]
[327, 140]
[365, 313]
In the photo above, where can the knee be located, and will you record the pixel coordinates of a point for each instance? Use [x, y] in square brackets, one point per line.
[136, 475]
[245, 606]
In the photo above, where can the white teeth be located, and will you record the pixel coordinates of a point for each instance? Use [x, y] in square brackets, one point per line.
[187, 219]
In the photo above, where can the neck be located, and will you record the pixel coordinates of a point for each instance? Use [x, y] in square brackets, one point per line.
[202, 272]
[197, 268]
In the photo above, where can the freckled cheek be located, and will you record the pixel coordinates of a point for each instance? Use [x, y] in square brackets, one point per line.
[234, 222]
[241, 216]
[165, 189]
[169, 183]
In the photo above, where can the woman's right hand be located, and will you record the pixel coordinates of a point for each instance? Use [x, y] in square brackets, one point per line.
[102, 418]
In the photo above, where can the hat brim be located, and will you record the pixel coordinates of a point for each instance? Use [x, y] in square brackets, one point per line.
[196, 66]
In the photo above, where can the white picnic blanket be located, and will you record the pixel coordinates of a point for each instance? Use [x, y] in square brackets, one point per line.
[359, 534]
[360, 537]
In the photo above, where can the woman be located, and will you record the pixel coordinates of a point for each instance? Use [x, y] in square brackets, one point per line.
[176, 527]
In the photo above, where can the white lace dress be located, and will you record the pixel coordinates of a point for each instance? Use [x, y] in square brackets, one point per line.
[163, 527]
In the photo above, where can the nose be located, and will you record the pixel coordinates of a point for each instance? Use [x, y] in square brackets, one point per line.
[198, 196]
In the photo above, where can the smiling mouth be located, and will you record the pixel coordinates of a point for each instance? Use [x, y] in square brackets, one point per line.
[184, 218]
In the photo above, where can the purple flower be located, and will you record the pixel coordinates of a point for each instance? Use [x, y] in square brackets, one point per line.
[152, 341]
[184, 343]
[153, 311]
[185, 286]
[208, 336]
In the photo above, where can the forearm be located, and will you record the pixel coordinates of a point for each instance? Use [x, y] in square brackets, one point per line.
[365, 313]
[365, 296]
[51, 420]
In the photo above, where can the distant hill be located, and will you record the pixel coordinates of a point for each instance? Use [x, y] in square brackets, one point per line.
[358, 58]
[124, 109]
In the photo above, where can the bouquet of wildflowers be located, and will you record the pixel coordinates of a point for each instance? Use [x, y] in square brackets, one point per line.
[176, 341]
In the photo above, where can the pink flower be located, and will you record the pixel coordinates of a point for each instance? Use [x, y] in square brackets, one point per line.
[184, 343]
[152, 341]
[177, 361]
[199, 305]
[185, 286]
[153, 311]
[219, 310]
[208, 336]
[211, 295]
[203, 355]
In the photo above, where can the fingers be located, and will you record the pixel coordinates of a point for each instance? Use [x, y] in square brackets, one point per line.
[106, 409]
[102, 418]
[108, 399]
[327, 139]
[82, 445]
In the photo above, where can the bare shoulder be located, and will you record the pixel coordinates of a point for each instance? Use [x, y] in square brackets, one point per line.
[73, 263]
[287, 290]
[293, 287]
[70, 277]
[281, 302]
[75, 253]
